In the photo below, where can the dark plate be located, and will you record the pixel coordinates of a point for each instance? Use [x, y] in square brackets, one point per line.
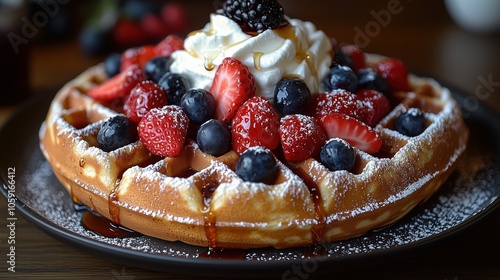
[468, 196]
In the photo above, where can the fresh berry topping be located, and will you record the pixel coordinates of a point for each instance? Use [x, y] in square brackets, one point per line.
[411, 123]
[141, 55]
[118, 86]
[340, 58]
[337, 154]
[112, 64]
[341, 77]
[301, 137]
[175, 85]
[341, 101]
[157, 67]
[116, 132]
[214, 138]
[199, 105]
[356, 55]
[170, 44]
[163, 130]
[351, 130]
[255, 15]
[144, 96]
[256, 123]
[379, 103]
[370, 79]
[257, 165]
[138, 56]
[291, 96]
[232, 86]
[395, 73]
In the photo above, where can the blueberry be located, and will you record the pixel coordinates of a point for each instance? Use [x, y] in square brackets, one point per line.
[176, 86]
[94, 41]
[369, 79]
[257, 164]
[291, 96]
[337, 154]
[112, 64]
[341, 77]
[157, 67]
[214, 138]
[198, 104]
[343, 59]
[116, 132]
[411, 123]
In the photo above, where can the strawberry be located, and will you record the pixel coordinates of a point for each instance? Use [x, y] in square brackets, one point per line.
[301, 137]
[170, 44]
[357, 56]
[341, 101]
[232, 86]
[137, 56]
[356, 133]
[141, 55]
[379, 103]
[144, 96]
[163, 130]
[119, 86]
[395, 73]
[256, 123]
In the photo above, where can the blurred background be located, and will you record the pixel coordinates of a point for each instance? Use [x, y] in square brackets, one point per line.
[45, 43]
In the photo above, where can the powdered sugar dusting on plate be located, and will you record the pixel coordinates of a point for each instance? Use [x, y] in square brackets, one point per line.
[469, 191]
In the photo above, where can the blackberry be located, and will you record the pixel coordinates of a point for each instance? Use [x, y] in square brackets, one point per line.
[255, 15]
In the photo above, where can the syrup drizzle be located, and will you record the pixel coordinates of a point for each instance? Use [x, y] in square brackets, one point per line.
[319, 229]
[223, 254]
[114, 209]
[208, 216]
[105, 227]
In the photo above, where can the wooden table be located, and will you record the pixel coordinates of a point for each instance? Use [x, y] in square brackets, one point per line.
[420, 33]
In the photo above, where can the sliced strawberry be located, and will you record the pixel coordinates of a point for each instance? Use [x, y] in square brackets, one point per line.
[141, 55]
[232, 86]
[119, 86]
[256, 123]
[357, 56]
[301, 137]
[395, 73]
[138, 56]
[380, 104]
[356, 133]
[145, 96]
[163, 130]
[341, 101]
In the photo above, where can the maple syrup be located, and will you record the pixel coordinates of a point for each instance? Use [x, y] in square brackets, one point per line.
[105, 227]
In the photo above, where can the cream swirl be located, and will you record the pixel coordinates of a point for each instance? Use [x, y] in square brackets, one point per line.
[297, 50]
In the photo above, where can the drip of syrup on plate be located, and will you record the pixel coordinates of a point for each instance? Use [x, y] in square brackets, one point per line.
[102, 226]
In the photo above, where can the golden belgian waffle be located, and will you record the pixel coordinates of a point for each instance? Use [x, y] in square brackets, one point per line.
[199, 199]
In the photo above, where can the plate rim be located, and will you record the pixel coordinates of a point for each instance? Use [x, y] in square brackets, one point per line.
[127, 255]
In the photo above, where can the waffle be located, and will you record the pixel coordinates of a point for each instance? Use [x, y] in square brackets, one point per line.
[199, 199]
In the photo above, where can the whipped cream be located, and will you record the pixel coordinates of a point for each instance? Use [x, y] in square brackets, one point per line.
[298, 50]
